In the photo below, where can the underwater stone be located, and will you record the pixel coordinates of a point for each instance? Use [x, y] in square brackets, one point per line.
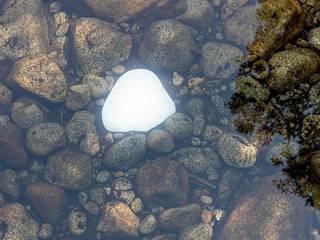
[137, 102]
[179, 125]
[5, 99]
[251, 88]
[148, 225]
[161, 141]
[314, 38]
[167, 44]
[197, 232]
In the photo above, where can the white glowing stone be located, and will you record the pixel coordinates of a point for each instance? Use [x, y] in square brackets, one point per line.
[137, 102]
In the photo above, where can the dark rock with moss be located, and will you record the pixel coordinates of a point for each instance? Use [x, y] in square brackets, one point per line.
[97, 47]
[167, 44]
[49, 201]
[252, 89]
[163, 182]
[292, 67]
[69, 169]
[264, 204]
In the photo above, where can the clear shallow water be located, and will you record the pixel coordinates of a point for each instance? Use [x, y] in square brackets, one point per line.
[273, 124]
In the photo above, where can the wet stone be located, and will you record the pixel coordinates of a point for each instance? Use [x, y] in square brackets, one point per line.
[81, 130]
[49, 201]
[252, 88]
[195, 106]
[9, 183]
[126, 152]
[44, 138]
[125, 196]
[196, 232]
[122, 184]
[97, 47]
[45, 231]
[27, 115]
[78, 97]
[230, 6]
[117, 220]
[148, 225]
[20, 225]
[220, 60]
[98, 85]
[167, 44]
[197, 160]
[229, 183]
[280, 152]
[77, 223]
[5, 99]
[199, 14]
[236, 151]
[314, 38]
[97, 195]
[292, 67]
[172, 9]
[180, 217]
[198, 124]
[211, 133]
[41, 76]
[69, 169]
[163, 182]
[136, 205]
[160, 140]
[179, 125]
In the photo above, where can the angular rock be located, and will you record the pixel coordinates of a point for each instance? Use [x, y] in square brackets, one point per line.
[41, 76]
[71, 170]
[167, 44]
[17, 41]
[97, 47]
[126, 152]
[291, 67]
[44, 138]
[163, 182]
[180, 217]
[262, 205]
[117, 220]
[49, 201]
[19, 224]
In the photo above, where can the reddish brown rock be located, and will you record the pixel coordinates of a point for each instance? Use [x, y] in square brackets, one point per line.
[48, 200]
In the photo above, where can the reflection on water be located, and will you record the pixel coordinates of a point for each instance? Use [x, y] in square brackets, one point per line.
[244, 75]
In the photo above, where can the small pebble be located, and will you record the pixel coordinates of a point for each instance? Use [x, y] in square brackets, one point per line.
[118, 70]
[136, 205]
[206, 200]
[148, 225]
[45, 231]
[177, 79]
[77, 222]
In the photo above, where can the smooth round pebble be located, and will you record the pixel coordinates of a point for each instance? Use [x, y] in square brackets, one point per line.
[160, 141]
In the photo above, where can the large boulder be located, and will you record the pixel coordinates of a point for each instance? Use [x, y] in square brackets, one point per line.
[264, 212]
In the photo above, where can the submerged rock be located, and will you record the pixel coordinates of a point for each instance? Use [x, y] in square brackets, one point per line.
[197, 232]
[97, 47]
[179, 125]
[160, 140]
[19, 224]
[24, 29]
[126, 152]
[49, 201]
[236, 151]
[292, 67]
[71, 170]
[220, 60]
[199, 14]
[163, 182]
[5, 99]
[117, 220]
[265, 212]
[167, 44]
[40, 75]
[266, 26]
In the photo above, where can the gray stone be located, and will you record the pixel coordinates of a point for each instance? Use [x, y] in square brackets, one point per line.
[180, 217]
[199, 14]
[77, 223]
[19, 224]
[122, 184]
[81, 129]
[78, 97]
[292, 67]
[71, 170]
[220, 60]
[44, 138]
[197, 160]
[148, 225]
[163, 182]
[314, 38]
[236, 151]
[179, 125]
[197, 232]
[45, 231]
[41, 76]
[198, 124]
[126, 152]
[117, 220]
[9, 183]
[167, 44]
[97, 47]
[211, 133]
[160, 141]
[195, 106]
[98, 195]
[98, 85]
[5, 99]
